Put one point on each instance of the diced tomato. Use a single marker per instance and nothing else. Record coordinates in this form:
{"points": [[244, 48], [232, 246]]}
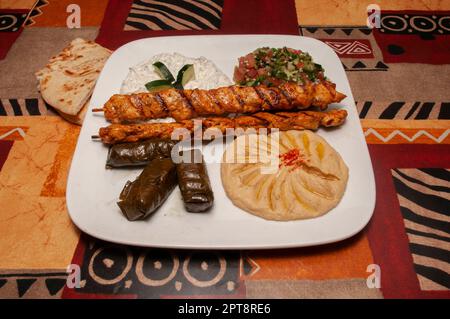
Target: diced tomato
{"points": [[272, 81], [262, 71], [263, 64], [252, 73], [251, 62], [242, 62], [238, 75], [294, 51]]}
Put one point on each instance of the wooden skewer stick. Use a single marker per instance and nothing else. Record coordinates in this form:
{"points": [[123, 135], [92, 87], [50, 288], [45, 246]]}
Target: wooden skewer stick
{"points": [[97, 110]]}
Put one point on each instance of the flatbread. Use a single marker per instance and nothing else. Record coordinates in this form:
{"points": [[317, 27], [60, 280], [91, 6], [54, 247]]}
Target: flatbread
{"points": [[78, 118], [291, 175], [67, 81]]}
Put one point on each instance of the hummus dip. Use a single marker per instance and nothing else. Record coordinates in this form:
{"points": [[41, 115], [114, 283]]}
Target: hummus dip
{"points": [[309, 180]]}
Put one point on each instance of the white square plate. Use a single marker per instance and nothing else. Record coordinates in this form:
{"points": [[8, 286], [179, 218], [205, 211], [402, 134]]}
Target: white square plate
{"points": [[92, 191]]}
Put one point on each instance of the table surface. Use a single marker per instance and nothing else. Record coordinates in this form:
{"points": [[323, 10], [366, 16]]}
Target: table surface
{"points": [[399, 74]]}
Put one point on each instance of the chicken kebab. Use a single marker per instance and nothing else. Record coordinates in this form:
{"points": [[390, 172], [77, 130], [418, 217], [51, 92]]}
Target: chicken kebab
{"points": [[188, 104], [121, 133]]}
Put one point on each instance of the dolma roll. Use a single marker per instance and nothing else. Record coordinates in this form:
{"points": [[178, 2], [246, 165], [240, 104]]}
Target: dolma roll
{"points": [[138, 153], [194, 183], [143, 196]]}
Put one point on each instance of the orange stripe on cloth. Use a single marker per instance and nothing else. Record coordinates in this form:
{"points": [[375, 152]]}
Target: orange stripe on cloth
{"points": [[354, 13], [55, 184], [343, 260], [406, 131], [12, 133]]}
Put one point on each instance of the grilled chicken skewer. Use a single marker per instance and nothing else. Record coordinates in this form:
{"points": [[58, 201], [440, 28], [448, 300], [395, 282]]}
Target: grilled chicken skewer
{"points": [[188, 104], [119, 133]]}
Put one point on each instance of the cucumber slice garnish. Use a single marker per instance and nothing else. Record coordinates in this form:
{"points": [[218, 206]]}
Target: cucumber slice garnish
{"points": [[185, 74], [158, 85], [163, 71]]}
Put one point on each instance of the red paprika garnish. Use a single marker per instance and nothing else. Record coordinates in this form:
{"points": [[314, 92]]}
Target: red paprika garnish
{"points": [[292, 158]]}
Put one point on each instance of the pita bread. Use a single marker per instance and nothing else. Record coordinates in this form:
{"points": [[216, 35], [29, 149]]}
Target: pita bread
{"points": [[67, 81], [75, 119]]}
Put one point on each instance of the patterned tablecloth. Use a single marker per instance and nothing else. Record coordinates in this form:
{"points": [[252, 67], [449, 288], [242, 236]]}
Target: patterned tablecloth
{"points": [[400, 77]]}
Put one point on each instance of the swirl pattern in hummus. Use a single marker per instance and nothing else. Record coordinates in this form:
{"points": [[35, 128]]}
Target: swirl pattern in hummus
{"points": [[309, 178]]}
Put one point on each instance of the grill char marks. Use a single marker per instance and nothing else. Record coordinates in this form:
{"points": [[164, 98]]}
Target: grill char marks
{"points": [[153, 106], [138, 109], [192, 99], [274, 98], [235, 93], [162, 104], [178, 106], [209, 123], [117, 133], [188, 104], [202, 102], [252, 103], [138, 103], [299, 96], [251, 122], [266, 106], [275, 121], [226, 99], [286, 95], [213, 100]]}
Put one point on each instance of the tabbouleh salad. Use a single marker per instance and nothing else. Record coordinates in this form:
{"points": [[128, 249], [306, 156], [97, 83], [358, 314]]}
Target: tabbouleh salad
{"points": [[272, 66]]}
